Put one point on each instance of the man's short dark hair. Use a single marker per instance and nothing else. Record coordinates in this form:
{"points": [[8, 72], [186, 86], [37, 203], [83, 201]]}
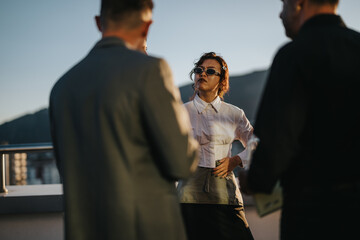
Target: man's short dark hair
{"points": [[325, 1], [118, 10]]}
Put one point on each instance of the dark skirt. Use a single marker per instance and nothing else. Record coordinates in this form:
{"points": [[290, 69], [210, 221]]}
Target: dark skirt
{"points": [[214, 221]]}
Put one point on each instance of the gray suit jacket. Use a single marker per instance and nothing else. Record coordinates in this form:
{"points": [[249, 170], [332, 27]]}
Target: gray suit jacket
{"points": [[121, 138]]}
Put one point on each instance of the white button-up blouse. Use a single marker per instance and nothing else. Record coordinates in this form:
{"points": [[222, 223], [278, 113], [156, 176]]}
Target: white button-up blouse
{"points": [[215, 126]]}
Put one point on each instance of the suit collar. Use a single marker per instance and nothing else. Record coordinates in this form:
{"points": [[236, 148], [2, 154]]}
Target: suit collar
{"points": [[109, 42]]}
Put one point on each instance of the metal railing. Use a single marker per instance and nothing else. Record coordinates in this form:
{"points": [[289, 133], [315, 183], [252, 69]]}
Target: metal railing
{"points": [[16, 148]]}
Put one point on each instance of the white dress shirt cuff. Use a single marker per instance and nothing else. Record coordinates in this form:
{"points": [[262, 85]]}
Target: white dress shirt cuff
{"points": [[243, 157]]}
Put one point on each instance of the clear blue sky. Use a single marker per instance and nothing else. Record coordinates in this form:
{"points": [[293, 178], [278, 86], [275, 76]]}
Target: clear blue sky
{"points": [[41, 39]]}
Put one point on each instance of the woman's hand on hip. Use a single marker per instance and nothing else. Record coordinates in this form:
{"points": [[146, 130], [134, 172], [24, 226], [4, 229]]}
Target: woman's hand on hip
{"points": [[227, 165]]}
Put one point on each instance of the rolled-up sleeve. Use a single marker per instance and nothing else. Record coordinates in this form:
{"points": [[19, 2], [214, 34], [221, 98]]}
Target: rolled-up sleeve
{"points": [[244, 132]]}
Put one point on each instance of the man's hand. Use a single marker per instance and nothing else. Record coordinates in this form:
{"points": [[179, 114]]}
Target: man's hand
{"points": [[226, 166]]}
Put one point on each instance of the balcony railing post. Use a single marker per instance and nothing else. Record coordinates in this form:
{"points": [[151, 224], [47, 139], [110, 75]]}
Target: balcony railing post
{"points": [[15, 148], [2, 175]]}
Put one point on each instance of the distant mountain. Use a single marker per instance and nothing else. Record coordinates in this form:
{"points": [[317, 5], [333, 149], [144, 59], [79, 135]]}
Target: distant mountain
{"points": [[245, 92], [30, 128]]}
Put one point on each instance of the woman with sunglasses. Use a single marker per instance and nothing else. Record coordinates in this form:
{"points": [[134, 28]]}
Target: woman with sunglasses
{"points": [[211, 202]]}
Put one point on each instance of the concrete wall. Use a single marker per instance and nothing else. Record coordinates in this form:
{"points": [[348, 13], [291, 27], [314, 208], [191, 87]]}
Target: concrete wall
{"points": [[35, 213], [47, 226]]}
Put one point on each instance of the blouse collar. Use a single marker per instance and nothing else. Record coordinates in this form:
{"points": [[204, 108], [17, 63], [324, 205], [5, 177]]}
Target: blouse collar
{"points": [[201, 105]]}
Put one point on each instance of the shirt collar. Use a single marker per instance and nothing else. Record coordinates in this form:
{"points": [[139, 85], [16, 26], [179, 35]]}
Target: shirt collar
{"points": [[201, 105]]}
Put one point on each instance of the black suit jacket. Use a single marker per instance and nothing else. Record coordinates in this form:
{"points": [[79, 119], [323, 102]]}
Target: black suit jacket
{"points": [[122, 137], [308, 126], [308, 117]]}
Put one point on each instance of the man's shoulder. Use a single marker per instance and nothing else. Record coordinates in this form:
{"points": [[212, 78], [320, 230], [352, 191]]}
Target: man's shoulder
{"points": [[354, 33], [149, 61], [141, 58], [286, 49]]}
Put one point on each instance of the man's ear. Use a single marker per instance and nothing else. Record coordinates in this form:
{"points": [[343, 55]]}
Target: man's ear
{"points": [[145, 28], [98, 23], [300, 4]]}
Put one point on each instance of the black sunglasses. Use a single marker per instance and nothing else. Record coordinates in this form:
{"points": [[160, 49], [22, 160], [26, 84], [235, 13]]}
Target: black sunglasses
{"points": [[208, 71]]}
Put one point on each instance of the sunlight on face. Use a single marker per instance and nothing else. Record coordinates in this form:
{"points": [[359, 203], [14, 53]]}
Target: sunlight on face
{"points": [[208, 83], [290, 17]]}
